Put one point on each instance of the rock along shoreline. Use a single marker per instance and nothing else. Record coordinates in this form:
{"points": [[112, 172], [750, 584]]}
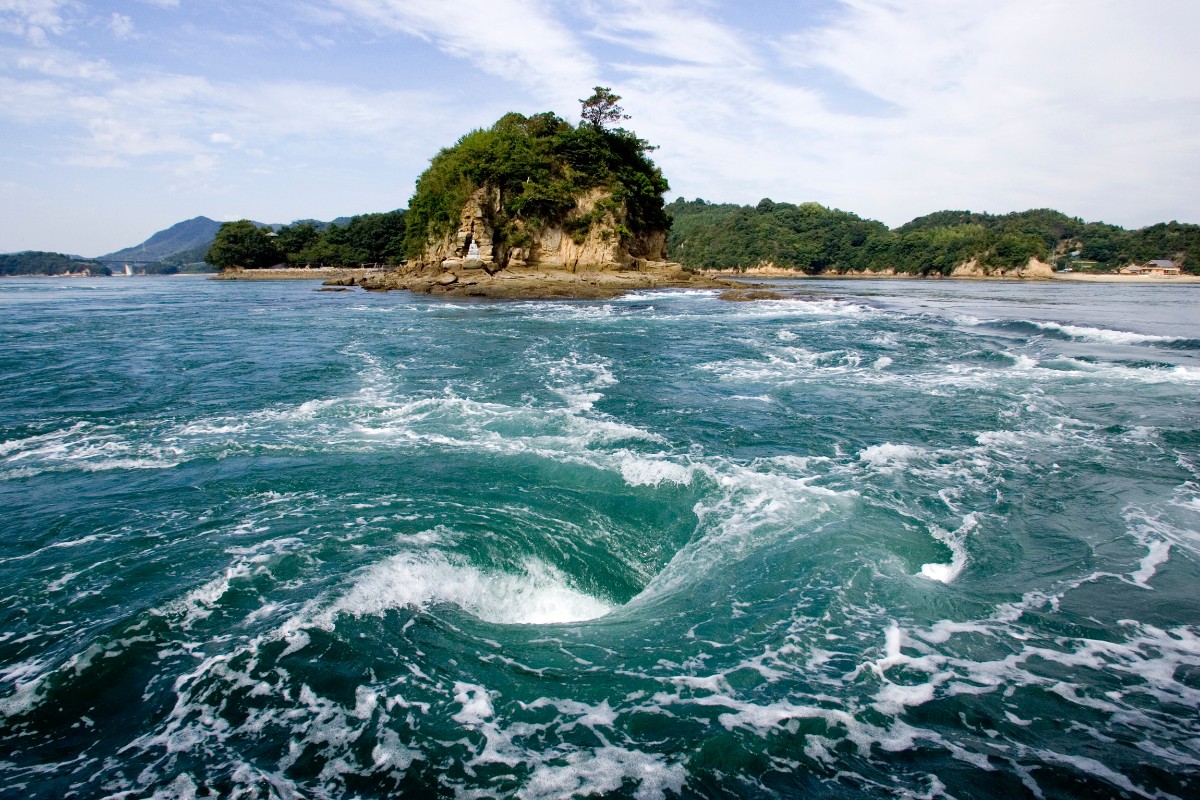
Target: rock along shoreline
{"points": [[532, 283]]}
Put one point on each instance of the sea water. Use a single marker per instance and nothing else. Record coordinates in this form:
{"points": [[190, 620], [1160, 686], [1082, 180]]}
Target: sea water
{"points": [[881, 539]]}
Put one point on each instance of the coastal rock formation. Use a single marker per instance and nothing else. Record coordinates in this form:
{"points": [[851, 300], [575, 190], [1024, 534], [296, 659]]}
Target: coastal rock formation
{"points": [[534, 283], [592, 236], [537, 200], [1032, 269]]}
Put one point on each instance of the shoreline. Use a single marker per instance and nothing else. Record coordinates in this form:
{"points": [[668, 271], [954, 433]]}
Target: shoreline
{"points": [[559, 284], [1077, 277], [596, 283], [1173, 280], [297, 274]]}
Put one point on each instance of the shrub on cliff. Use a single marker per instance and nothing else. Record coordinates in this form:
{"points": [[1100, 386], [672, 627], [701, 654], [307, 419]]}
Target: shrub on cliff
{"points": [[539, 165]]}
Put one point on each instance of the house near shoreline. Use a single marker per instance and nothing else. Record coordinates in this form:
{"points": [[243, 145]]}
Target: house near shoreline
{"points": [[1159, 266]]}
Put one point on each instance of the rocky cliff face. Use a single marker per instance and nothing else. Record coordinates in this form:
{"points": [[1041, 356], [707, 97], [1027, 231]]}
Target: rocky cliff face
{"points": [[1031, 269], [592, 237]]}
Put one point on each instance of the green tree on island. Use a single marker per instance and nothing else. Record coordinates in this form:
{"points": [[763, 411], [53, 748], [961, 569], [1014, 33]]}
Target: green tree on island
{"points": [[601, 108], [243, 244]]}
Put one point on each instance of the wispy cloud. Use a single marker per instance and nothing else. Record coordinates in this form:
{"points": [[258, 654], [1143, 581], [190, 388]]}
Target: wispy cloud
{"points": [[32, 19], [520, 40], [61, 64], [898, 108], [890, 108], [186, 116], [121, 26]]}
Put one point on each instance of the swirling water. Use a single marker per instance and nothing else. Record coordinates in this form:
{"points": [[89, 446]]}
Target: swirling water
{"points": [[889, 539]]}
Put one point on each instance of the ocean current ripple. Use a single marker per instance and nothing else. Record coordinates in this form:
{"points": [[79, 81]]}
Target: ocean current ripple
{"points": [[878, 539]]}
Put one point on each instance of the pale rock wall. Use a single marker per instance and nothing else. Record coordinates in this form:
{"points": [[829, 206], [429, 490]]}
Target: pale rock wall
{"points": [[550, 247], [1031, 269]]}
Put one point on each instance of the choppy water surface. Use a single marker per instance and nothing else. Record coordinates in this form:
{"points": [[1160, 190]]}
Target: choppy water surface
{"points": [[897, 539]]}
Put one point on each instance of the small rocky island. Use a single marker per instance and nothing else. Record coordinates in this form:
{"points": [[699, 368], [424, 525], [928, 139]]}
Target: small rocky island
{"points": [[535, 207]]}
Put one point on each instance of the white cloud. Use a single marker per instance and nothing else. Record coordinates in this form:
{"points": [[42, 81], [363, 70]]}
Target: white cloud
{"points": [[121, 26], [518, 40], [894, 109], [171, 117], [32, 19], [669, 30], [890, 109], [65, 65]]}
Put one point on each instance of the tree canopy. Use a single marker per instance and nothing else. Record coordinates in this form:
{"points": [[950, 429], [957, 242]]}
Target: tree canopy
{"points": [[601, 109], [539, 165], [243, 244], [361, 240]]}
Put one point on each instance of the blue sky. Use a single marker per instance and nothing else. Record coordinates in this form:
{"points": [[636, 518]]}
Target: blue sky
{"points": [[119, 119]]}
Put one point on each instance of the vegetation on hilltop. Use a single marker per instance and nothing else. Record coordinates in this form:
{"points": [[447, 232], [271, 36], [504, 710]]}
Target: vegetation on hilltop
{"points": [[539, 165], [37, 262], [815, 239]]}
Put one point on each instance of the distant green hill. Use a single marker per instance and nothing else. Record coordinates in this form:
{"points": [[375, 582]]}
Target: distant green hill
{"points": [[187, 235], [36, 262], [815, 239]]}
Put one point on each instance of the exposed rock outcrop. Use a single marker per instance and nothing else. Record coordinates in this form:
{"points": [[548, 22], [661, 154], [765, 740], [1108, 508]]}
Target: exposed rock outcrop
{"points": [[592, 237], [1033, 269], [530, 283]]}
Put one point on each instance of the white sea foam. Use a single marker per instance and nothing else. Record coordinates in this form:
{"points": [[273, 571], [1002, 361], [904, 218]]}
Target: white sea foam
{"points": [[783, 365], [1103, 335], [541, 595], [642, 295], [32, 442], [1150, 374], [25, 679], [945, 573], [1158, 535], [602, 772], [1022, 361], [476, 704], [641, 471], [1159, 553], [888, 457], [86, 447]]}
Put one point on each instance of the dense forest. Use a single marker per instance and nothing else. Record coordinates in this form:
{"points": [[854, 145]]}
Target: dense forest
{"points": [[362, 240], [815, 239], [35, 262]]}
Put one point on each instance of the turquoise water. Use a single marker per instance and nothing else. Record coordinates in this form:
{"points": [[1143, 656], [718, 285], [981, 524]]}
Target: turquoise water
{"points": [[892, 540]]}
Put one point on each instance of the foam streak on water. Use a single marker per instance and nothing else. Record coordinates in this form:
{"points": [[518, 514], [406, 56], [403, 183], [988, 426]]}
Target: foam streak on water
{"points": [[882, 539]]}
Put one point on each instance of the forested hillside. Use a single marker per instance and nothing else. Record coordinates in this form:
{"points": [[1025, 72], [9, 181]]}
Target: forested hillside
{"points": [[36, 262], [187, 236], [815, 239]]}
